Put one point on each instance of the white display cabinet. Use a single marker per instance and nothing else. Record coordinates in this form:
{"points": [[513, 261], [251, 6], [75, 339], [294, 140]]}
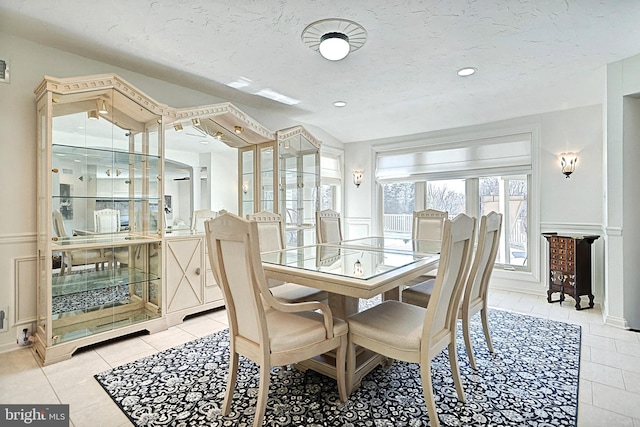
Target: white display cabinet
{"points": [[99, 193]]}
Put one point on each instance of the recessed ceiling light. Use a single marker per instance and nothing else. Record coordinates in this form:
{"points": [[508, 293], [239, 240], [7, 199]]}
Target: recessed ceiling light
{"points": [[467, 71], [204, 142], [339, 103]]}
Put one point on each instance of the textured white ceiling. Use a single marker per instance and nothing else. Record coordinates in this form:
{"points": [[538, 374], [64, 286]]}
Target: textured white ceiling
{"points": [[532, 55]]}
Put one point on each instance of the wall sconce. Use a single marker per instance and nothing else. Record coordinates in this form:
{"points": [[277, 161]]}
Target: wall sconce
{"points": [[358, 271], [568, 163], [245, 187], [357, 177]]}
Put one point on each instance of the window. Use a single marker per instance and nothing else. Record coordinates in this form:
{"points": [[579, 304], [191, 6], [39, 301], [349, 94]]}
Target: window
{"points": [[397, 209], [508, 196], [329, 196], [466, 175], [330, 180], [446, 195]]}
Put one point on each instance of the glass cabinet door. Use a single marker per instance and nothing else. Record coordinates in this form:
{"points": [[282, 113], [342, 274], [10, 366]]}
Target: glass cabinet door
{"points": [[267, 176], [247, 181], [299, 174]]}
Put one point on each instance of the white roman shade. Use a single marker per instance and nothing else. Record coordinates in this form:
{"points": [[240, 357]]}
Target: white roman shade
{"points": [[505, 154], [330, 170]]}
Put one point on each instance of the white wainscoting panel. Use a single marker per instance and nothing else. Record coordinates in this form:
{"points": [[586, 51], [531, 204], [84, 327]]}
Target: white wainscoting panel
{"points": [[25, 290], [356, 227]]}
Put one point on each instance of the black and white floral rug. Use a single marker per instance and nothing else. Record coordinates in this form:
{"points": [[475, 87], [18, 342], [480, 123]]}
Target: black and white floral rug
{"points": [[531, 380]]}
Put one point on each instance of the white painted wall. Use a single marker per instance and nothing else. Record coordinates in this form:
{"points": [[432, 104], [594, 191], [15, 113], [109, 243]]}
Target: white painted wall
{"points": [[623, 198]]}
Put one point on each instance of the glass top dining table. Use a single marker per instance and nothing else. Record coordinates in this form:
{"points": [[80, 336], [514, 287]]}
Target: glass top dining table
{"points": [[359, 268], [349, 270]]}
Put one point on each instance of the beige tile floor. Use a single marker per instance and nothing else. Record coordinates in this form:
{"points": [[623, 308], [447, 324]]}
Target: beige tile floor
{"points": [[609, 372]]}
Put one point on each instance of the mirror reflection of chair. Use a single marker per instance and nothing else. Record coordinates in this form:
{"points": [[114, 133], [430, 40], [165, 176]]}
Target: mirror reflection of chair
{"points": [[261, 328], [199, 217], [328, 228], [77, 257], [414, 334], [477, 285], [271, 238], [106, 221]]}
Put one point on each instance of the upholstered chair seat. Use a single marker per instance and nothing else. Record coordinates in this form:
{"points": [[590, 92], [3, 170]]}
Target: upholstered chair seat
{"points": [[271, 235]]}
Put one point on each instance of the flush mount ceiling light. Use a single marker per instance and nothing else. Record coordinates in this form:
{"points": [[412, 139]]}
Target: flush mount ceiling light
{"points": [[238, 129], [467, 71], [334, 38]]}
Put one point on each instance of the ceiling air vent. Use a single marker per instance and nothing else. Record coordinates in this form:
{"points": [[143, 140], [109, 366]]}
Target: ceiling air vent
{"points": [[4, 70]]}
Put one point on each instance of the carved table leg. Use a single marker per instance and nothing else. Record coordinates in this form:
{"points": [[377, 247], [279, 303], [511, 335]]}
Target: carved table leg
{"points": [[577, 302], [590, 300], [549, 296]]}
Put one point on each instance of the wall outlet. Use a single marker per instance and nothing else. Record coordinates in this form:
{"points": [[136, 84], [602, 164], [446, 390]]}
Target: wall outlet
{"points": [[24, 335], [4, 319]]}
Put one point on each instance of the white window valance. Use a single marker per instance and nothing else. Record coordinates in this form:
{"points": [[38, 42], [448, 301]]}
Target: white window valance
{"points": [[330, 169], [504, 154]]}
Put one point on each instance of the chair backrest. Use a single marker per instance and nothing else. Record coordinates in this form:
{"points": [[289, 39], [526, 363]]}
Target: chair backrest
{"points": [[234, 255], [428, 224], [58, 224], [270, 230], [199, 217], [328, 228], [485, 257], [106, 221], [442, 310]]}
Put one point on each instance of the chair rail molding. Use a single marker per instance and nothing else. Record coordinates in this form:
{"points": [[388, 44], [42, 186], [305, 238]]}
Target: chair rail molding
{"points": [[18, 238], [571, 227], [613, 231]]}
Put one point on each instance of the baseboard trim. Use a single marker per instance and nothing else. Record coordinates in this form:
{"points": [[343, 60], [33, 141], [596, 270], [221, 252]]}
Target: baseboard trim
{"points": [[616, 322]]}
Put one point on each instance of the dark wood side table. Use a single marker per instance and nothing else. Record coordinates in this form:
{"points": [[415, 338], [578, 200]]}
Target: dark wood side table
{"points": [[570, 266]]}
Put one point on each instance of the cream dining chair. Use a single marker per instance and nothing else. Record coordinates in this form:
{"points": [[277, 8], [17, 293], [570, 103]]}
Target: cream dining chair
{"points": [[77, 257], [199, 217], [261, 328], [271, 237], [428, 225], [477, 284], [328, 228], [414, 334]]}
